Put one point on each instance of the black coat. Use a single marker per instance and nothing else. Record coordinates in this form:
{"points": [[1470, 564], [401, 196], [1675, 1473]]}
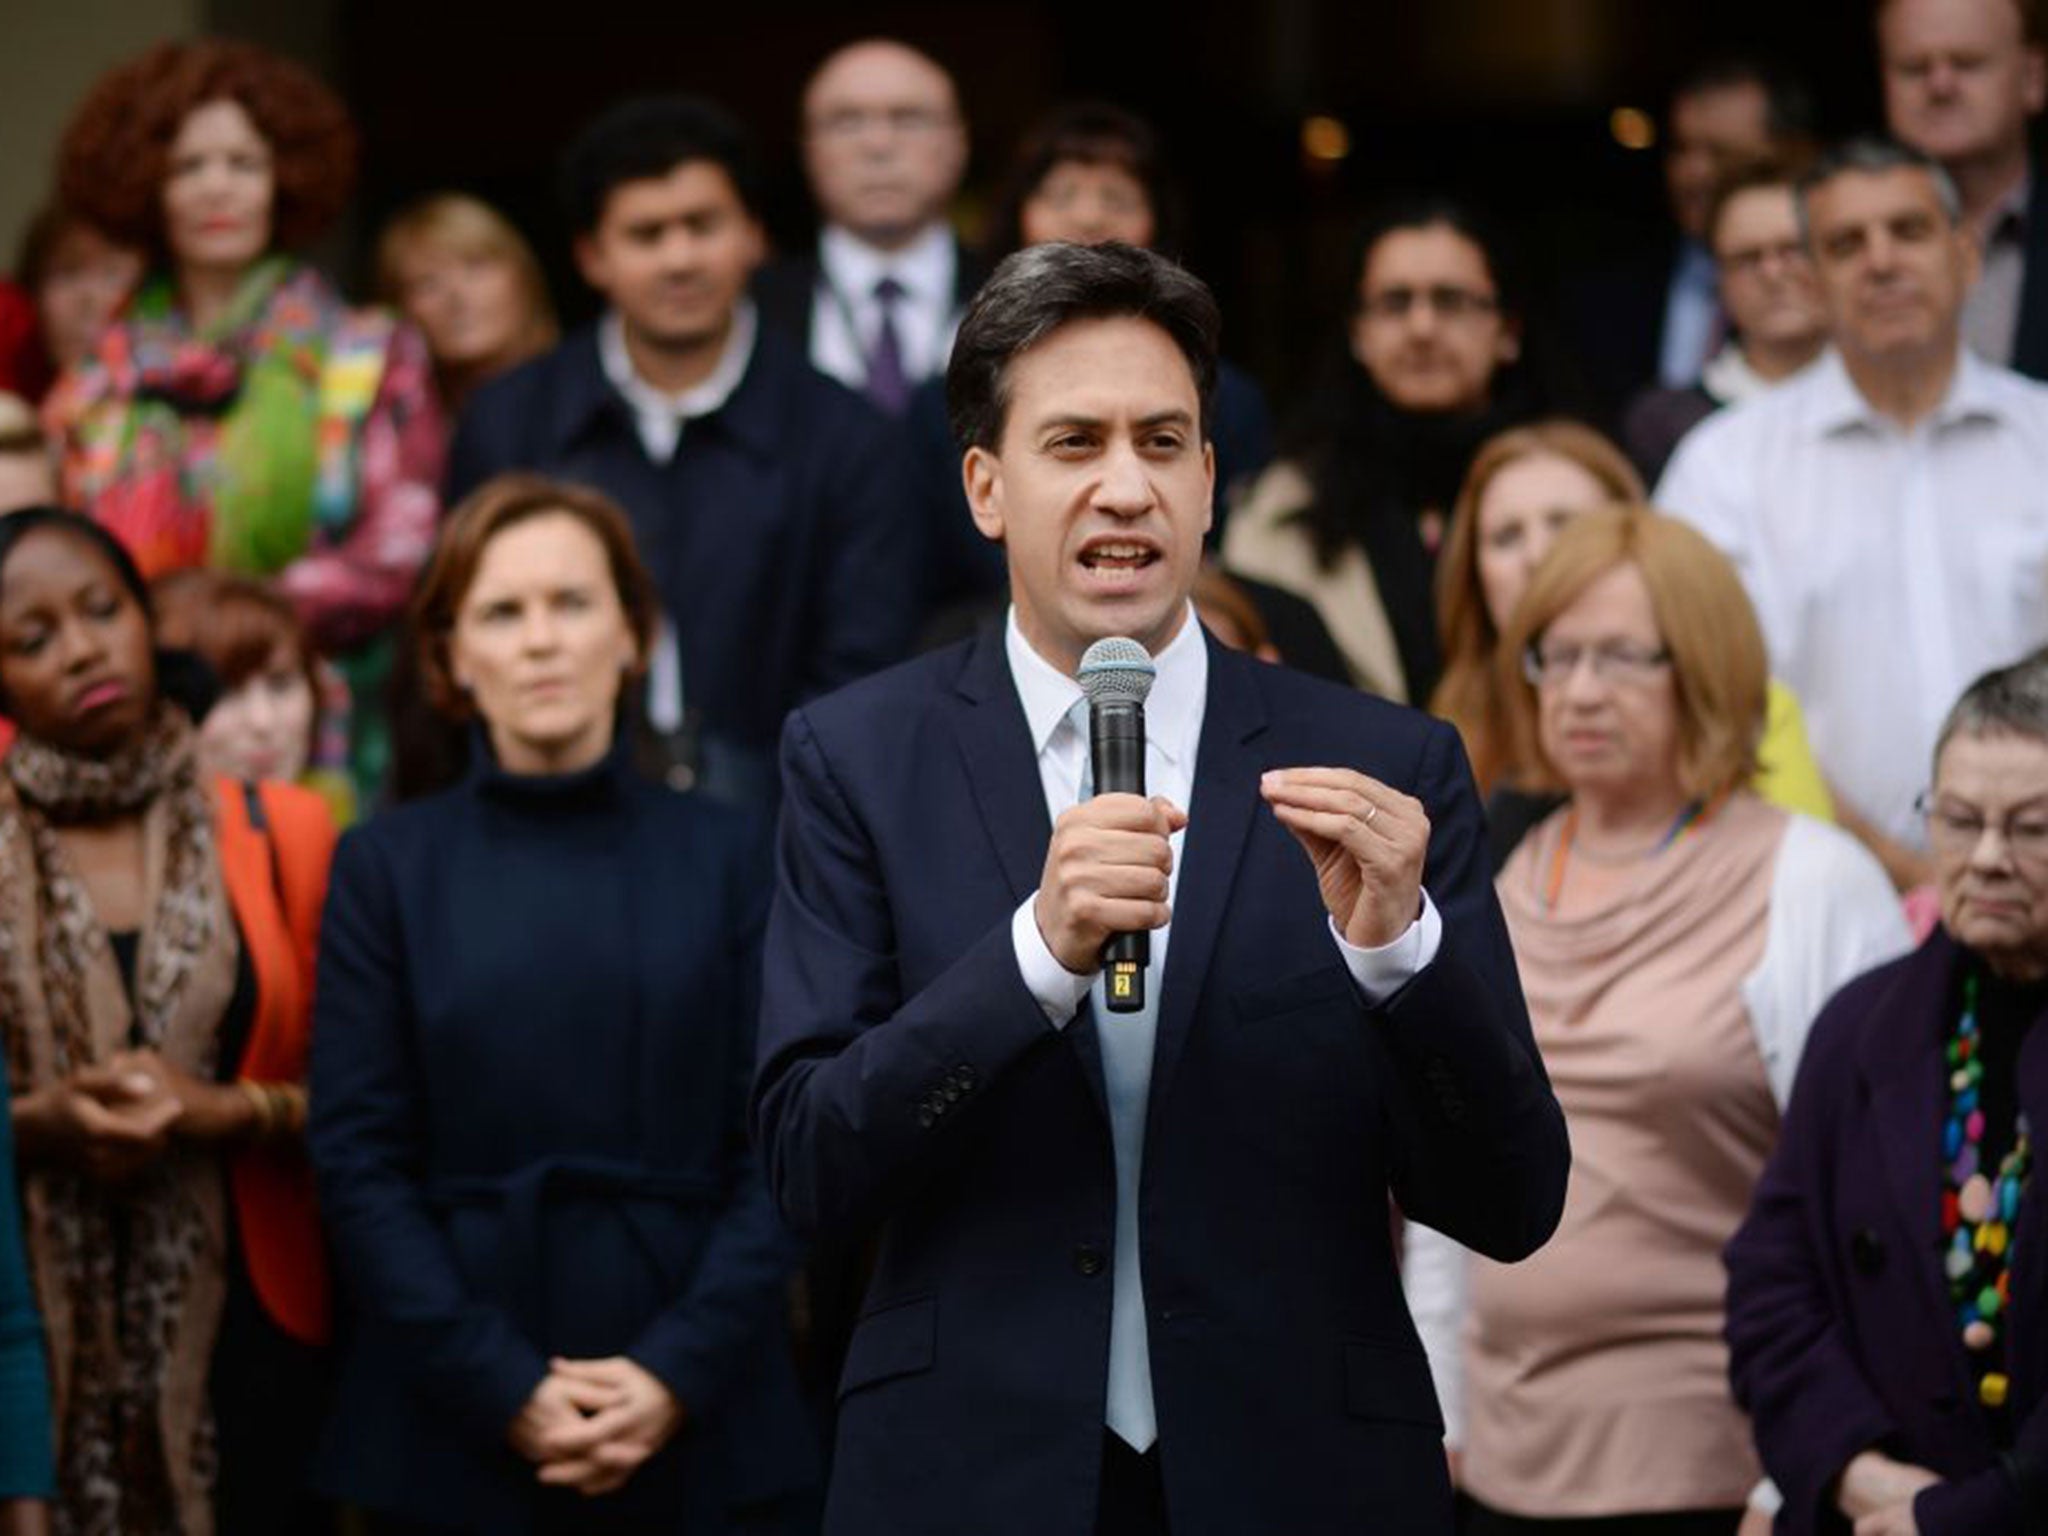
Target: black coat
{"points": [[532, 1037]]}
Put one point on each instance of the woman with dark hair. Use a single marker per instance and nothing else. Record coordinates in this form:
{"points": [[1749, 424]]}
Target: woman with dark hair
{"points": [[238, 415], [1353, 516], [530, 1075], [282, 713], [156, 945], [1085, 173]]}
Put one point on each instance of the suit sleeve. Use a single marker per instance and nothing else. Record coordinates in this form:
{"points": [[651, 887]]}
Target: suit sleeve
{"points": [[1479, 1146], [698, 1345], [364, 1136], [1795, 1371], [859, 1089]]}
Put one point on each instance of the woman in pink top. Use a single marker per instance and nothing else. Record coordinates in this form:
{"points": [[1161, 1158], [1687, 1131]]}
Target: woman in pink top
{"points": [[1675, 935]]}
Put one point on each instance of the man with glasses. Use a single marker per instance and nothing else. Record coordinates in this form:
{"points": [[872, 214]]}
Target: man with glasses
{"points": [[1888, 507], [1767, 287], [884, 146]]}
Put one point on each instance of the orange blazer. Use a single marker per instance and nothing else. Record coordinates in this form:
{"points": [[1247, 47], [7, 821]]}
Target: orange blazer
{"points": [[276, 843]]}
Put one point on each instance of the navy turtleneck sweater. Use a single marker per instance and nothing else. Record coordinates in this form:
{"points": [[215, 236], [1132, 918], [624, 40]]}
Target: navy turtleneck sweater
{"points": [[532, 1044]]}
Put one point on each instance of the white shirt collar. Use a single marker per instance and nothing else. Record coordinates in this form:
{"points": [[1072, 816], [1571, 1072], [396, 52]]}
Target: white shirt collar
{"points": [[704, 398], [1972, 395], [925, 267], [1173, 710], [1729, 377]]}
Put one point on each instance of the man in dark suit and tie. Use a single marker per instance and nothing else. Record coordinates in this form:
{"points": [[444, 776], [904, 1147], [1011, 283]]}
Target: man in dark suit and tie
{"points": [[876, 303], [1134, 1270]]}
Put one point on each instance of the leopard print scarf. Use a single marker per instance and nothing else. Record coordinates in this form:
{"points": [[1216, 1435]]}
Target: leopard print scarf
{"points": [[129, 1277]]}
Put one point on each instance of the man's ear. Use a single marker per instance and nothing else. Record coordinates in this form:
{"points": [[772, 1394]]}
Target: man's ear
{"points": [[590, 262], [981, 473]]}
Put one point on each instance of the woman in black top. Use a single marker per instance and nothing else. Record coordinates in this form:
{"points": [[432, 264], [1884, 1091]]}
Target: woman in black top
{"points": [[534, 1030]]}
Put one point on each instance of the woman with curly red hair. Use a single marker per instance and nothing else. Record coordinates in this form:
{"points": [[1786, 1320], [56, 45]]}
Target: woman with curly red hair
{"points": [[239, 415]]}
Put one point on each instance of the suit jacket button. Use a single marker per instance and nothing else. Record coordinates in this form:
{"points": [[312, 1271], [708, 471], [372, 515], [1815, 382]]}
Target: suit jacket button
{"points": [[1088, 1261], [1866, 1251], [926, 1118]]}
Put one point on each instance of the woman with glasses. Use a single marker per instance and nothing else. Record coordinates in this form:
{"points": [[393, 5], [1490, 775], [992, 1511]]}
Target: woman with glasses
{"points": [[1675, 935], [1885, 1294], [1353, 515]]}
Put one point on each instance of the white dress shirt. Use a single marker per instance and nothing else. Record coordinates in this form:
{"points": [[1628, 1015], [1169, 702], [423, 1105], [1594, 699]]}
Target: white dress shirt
{"points": [[1889, 568], [846, 316], [1173, 731]]}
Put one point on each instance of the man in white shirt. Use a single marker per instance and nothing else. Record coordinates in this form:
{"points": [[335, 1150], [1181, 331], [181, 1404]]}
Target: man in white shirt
{"points": [[884, 146], [1962, 80], [1111, 1242], [1888, 506]]}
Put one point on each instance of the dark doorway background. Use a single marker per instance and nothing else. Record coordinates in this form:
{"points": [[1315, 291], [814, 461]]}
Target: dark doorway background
{"points": [[1506, 100]]}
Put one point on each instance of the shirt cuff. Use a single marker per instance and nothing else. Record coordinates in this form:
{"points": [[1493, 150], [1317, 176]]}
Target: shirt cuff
{"points": [[1382, 972], [1058, 990]]}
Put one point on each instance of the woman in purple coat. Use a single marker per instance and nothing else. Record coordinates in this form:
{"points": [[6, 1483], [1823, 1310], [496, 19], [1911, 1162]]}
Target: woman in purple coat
{"points": [[1887, 1322]]}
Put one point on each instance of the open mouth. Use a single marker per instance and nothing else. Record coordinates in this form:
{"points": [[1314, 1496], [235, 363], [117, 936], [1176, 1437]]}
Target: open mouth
{"points": [[1117, 556]]}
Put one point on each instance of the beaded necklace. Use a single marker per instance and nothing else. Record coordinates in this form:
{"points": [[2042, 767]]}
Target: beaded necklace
{"points": [[1978, 1209], [1688, 819]]}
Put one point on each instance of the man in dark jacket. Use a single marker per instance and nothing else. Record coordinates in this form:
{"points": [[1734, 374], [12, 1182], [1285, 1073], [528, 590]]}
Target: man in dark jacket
{"points": [[764, 496]]}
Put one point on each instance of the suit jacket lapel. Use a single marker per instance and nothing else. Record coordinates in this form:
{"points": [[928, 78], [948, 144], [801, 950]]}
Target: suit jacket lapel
{"points": [[1226, 795], [1002, 769]]}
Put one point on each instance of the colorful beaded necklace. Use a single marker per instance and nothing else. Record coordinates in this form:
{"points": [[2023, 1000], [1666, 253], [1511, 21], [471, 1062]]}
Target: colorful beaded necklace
{"points": [[1978, 1209]]}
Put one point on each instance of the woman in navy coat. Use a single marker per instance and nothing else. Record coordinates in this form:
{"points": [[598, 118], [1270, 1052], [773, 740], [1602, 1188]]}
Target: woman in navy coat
{"points": [[1887, 1318], [532, 1041]]}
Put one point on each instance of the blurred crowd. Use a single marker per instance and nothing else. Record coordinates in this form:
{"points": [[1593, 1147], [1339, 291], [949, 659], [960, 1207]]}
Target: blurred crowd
{"points": [[410, 1183]]}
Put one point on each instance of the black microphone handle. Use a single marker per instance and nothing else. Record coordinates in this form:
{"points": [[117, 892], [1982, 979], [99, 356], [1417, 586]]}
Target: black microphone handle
{"points": [[1116, 750]]}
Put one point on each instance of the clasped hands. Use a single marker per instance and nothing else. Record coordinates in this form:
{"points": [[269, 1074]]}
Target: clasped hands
{"points": [[115, 1118], [1877, 1491], [1108, 867], [591, 1423]]}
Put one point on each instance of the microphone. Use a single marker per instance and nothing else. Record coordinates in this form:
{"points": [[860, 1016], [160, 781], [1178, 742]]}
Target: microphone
{"points": [[1116, 674]]}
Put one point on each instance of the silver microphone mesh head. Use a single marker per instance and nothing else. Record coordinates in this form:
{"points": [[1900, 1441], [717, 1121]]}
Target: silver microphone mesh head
{"points": [[1116, 671]]}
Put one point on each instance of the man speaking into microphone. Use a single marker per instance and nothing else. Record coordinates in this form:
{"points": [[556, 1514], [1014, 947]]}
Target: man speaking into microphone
{"points": [[1134, 1272]]}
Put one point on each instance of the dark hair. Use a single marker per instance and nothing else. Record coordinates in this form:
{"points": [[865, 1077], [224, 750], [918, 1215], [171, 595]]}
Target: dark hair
{"points": [[1874, 154], [1426, 210], [112, 162], [1761, 173], [181, 677], [1089, 133], [643, 140], [1788, 104], [479, 518], [1035, 291]]}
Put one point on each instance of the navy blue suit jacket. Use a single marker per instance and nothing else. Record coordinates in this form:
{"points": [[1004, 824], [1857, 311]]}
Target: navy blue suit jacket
{"points": [[780, 536], [909, 1084]]}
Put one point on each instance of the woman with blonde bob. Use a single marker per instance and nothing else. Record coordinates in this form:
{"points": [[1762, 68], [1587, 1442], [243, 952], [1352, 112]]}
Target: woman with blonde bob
{"points": [[1675, 936], [456, 268], [1524, 485]]}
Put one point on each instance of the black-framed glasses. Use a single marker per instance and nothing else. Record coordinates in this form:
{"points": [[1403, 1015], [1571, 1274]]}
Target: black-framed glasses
{"points": [[1616, 662], [1447, 300]]}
